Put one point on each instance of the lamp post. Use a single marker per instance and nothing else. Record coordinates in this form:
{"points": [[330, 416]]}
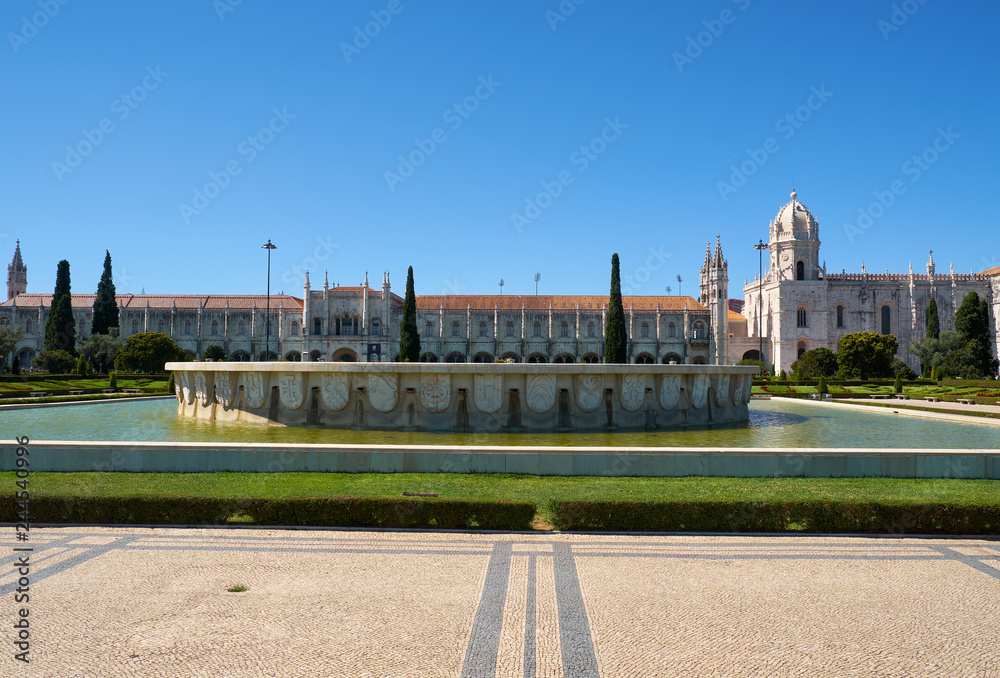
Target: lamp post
{"points": [[538, 276], [679, 293], [668, 290], [267, 314], [501, 287], [760, 247]]}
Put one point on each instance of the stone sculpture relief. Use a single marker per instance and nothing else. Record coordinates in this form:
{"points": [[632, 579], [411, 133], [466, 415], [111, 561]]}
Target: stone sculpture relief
{"points": [[290, 390], [382, 391], [670, 392], [588, 394], [435, 392], [335, 391], [541, 392], [186, 388], [699, 391], [223, 389], [722, 390], [255, 389], [633, 391], [488, 392]]}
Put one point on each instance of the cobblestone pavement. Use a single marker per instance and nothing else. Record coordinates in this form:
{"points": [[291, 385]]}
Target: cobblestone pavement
{"points": [[115, 602]]}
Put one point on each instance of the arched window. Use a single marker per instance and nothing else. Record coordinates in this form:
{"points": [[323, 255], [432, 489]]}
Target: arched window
{"points": [[564, 330], [428, 358], [672, 330], [482, 329], [590, 329], [482, 358], [800, 271], [295, 329], [800, 318], [376, 327], [241, 328], [886, 319], [644, 331], [317, 326], [428, 329], [510, 329], [27, 327], [454, 329], [563, 358], [215, 328], [840, 316], [537, 329], [187, 328], [699, 360], [672, 358], [644, 359], [802, 348], [699, 331], [537, 358], [590, 358], [4, 321], [135, 326]]}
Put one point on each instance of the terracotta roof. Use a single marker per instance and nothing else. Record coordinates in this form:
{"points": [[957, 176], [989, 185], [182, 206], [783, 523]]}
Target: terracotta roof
{"points": [[542, 302], [183, 301], [737, 317], [991, 271]]}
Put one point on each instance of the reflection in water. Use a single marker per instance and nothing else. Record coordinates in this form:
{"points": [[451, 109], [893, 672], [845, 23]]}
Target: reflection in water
{"points": [[773, 423]]}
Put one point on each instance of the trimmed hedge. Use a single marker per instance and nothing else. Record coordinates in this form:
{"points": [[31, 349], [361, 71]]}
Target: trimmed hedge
{"points": [[318, 511], [810, 516]]}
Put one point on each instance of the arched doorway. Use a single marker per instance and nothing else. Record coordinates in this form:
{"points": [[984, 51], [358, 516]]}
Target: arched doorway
{"points": [[455, 357], [590, 358], [751, 355], [644, 359], [344, 355], [537, 358], [564, 358], [482, 358], [315, 356], [428, 358], [512, 357]]}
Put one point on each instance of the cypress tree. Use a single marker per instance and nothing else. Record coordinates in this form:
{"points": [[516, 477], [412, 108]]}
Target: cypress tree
{"points": [[933, 325], [60, 329], [615, 334], [105, 308], [409, 338]]}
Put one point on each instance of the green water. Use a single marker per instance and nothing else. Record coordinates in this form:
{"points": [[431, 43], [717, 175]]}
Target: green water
{"points": [[773, 423]]}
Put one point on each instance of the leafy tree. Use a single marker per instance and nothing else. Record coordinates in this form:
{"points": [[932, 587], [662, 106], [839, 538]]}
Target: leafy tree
{"points": [[214, 352], [902, 370], [759, 364], [60, 329], [933, 325], [816, 362], [409, 337], [105, 307], [972, 323], [147, 352], [81, 366], [862, 355], [101, 349], [9, 336], [15, 366], [615, 334], [55, 361]]}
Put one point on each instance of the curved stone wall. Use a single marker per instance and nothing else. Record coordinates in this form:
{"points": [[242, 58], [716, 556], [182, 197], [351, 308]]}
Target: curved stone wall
{"points": [[464, 397]]}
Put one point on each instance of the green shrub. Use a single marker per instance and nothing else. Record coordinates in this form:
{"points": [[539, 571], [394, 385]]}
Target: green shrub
{"points": [[55, 361], [170, 384], [897, 386], [821, 387], [214, 352], [783, 376], [113, 380], [15, 366]]}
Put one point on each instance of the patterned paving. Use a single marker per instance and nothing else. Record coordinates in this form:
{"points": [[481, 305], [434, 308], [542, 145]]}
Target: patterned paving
{"points": [[153, 602]]}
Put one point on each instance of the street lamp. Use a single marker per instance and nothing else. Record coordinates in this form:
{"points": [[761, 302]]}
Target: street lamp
{"points": [[668, 290], [267, 314], [679, 293], [538, 276], [501, 287], [760, 247]]}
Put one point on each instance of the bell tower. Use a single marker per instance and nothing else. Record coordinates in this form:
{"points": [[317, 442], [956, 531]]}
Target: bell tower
{"points": [[17, 275], [714, 288]]}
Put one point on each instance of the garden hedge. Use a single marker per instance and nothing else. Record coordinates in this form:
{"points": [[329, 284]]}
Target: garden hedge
{"points": [[808, 516]]}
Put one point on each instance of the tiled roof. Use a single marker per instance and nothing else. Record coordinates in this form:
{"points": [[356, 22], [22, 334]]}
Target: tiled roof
{"points": [[182, 301], [736, 317], [542, 302], [991, 271]]}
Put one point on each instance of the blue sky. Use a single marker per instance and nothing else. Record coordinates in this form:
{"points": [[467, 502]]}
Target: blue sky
{"points": [[479, 141]]}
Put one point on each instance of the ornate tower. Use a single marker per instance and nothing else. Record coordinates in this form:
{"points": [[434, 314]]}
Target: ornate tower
{"points": [[714, 286], [17, 275], [794, 243]]}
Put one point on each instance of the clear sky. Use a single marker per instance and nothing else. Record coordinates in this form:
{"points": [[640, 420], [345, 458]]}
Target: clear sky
{"points": [[484, 140]]}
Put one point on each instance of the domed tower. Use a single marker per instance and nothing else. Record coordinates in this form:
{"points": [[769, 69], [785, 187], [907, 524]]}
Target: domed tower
{"points": [[794, 243], [17, 275], [714, 288]]}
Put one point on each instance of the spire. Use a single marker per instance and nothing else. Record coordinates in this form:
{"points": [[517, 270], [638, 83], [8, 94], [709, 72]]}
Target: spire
{"points": [[930, 262], [708, 254], [17, 274], [366, 278], [306, 285], [17, 264], [718, 250], [326, 280]]}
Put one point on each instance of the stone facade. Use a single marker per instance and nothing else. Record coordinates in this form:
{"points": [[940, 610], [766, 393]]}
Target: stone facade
{"points": [[800, 306]]}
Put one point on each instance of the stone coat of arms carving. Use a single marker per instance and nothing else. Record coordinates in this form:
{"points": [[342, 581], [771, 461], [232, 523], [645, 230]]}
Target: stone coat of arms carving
{"points": [[633, 391], [290, 390], [185, 384], [382, 390], [541, 392], [670, 391], [435, 392], [722, 390], [201, 388], [335, 391], [588, 392], [255, 389], [699, 391], [488, 391], [223, 389]]}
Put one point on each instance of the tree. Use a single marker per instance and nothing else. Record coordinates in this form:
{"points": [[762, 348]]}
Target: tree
{"points": [[214, 352], [55, 361], [147, 352], [9, 336], [862, 355], [821, 386], [615, 334], [902, 371], [759, 364], [60, 329], [15, 366], [816, 362], [933, 325], [972, 323], [101, 349], [105, 307], [409, 338]]}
